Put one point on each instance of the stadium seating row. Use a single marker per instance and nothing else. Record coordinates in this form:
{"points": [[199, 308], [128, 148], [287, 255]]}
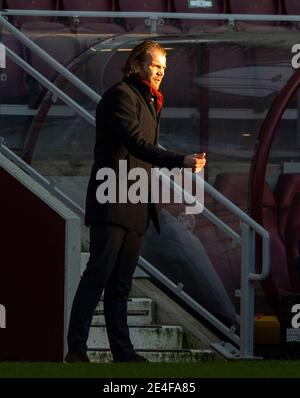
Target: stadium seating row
{"points": [[276, 7], [54, 37]]}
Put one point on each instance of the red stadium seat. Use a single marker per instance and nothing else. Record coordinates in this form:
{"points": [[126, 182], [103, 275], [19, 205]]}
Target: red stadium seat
{"points": [[91, 5], [39, 28], [99, 28], [14, 88], [287, 194], [138, 24], [31, 5], [287, 186], [98, 25], [63, 47], [256, 7], [292, 7], [292, 241], [88, 5], [193, 26]]}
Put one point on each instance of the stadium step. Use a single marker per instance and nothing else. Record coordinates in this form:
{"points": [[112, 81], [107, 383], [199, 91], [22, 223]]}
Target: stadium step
{"points": [[155, 337], [187, 356], [158, 343], [139, 312]]}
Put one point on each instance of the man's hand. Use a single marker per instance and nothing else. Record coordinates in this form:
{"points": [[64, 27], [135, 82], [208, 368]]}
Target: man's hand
{"points": [[196, 162]]}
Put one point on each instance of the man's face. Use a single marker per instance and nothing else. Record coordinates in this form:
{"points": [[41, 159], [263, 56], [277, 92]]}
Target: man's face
{"points": [[153, 70]]}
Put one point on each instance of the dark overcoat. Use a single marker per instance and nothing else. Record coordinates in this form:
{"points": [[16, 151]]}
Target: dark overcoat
{"points": [[127, 128]]}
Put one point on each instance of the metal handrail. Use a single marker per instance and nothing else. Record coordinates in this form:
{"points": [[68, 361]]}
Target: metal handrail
{"points": [[155, 15], [50, 60], [178, 290], [48, 185], [244, 217], [51, 87]]}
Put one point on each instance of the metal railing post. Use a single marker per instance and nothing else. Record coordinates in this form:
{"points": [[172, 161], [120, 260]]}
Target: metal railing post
{"points": [[153, 21], [247, 291]]}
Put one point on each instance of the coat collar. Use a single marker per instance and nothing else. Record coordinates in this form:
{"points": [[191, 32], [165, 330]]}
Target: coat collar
{"points": [[144, 91]]}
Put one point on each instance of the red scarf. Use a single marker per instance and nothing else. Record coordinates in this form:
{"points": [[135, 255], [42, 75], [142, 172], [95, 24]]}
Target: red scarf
{"points": [[157, 94]]}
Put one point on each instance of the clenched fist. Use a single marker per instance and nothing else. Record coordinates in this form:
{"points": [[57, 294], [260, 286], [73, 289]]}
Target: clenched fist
{"points": [[196, 162]]}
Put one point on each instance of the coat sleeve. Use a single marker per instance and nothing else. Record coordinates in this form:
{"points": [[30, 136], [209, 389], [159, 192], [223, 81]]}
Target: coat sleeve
{"points": [[125, 123]]}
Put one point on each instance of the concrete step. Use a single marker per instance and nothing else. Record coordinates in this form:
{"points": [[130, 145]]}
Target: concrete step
{"points": [[142, 337], [139, 312], [187, 356]]}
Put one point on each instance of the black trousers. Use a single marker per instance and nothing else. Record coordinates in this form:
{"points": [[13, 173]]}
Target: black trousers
{"points": [[114, 253]]}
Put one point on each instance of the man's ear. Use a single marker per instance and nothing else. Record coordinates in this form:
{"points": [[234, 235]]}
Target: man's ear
{"points": [[137, 67]]}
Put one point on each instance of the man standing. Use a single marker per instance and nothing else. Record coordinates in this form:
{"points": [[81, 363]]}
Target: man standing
{"points": [[127, 123]]}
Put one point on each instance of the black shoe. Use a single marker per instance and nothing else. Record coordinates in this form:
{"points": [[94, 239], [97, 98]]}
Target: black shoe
{"points": [[73, 357], [135, 358]]}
